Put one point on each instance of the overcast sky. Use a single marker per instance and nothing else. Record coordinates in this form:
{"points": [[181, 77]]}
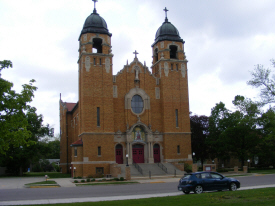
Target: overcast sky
{"points": [[224, 40]]}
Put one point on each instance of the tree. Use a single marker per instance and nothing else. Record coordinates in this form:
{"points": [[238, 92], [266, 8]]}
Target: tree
{"points": [[199, 133], [261, 78], [267, 127], [235, 134], [13, 121]]}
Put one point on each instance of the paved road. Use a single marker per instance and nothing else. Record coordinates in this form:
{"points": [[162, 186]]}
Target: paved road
{"points": [[159, 188]]}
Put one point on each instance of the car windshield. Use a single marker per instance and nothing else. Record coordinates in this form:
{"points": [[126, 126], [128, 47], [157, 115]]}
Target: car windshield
{"points": [[186, 176]]}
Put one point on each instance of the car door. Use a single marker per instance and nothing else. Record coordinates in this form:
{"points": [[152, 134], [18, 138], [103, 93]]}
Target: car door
{"points": [[207, 181], [220, 183]]}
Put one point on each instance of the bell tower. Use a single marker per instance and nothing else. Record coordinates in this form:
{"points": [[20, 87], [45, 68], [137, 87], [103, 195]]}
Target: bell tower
{"points": [[95, 76], [170, 67]]}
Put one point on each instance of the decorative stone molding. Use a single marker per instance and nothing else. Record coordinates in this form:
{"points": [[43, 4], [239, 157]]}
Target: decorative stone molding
{"points": [[107, 64], [83, 49], [166, 69], [87, 64], [160, 70], [157, 91], [183, 70], [142, 93], [85, 37], [115, 91]]}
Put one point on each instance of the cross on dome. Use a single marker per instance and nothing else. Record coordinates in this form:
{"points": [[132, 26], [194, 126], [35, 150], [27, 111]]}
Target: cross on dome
{"points": [[135, 53], [165, 13], [94, 5]]}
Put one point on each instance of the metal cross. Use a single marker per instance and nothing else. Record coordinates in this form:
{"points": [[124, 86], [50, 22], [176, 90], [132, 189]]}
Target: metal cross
{"points": [[165, 12], [94, 4], [135, 53]]}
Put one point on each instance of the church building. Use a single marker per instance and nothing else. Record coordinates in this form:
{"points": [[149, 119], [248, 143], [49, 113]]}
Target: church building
{"points": [[139, 115]]}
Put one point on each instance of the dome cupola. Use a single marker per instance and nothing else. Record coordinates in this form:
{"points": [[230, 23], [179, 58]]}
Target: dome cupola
{"points": [[167, 31], [95, 24]]}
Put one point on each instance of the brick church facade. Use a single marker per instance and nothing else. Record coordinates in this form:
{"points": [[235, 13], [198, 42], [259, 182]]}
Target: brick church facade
{"points": [[139, 112]]}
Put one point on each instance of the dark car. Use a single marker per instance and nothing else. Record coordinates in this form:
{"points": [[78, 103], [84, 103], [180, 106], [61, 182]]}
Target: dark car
{"points": [[206, 181]]}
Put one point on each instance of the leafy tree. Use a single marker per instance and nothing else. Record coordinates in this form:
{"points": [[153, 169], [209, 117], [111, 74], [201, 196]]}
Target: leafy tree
{"points": [[13, 122], [234, 133], [267, 127], [20, 127], [261, 78], [199, 133]]}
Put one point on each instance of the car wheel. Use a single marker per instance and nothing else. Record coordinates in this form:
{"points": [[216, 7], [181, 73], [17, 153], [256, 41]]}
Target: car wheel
{"points": [[186, 192], [233, 187], [198, 189]]}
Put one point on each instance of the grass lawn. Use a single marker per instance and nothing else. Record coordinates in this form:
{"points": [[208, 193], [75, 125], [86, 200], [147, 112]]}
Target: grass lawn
{"points": [[42, 183], [104, 183], [238, 198], [262, 171]]}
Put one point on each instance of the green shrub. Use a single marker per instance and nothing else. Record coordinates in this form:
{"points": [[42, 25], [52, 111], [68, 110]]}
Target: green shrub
{"points": [[82, 181], [187, 168], [79, 177], [88, 180], [116, 179], [92, 180], [121, 178], [76, 181], [222, 170]]}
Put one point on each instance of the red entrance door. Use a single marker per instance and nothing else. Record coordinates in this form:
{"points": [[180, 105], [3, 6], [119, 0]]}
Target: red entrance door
{"points": [[138, 155], [119, 156], [156, 155]]}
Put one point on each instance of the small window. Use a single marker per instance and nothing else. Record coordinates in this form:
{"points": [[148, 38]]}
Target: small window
{"points": [[173, 51], [98, 116], [99, 170], [75, 151], [156, 54], [177, 69], [178, 149], [177, 119], [99, 61], [97, 45], [99, 151]]}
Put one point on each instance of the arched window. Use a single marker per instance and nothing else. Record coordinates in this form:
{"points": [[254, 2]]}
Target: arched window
{"points": [[173, 51], [97, 45], [156, 54], [137, 104]]}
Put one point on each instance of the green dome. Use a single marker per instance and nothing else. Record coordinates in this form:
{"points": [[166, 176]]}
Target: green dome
{"points": [[167, 31], [95, 24]]}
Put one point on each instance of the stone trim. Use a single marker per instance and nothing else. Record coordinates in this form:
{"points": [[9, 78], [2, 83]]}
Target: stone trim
{"points": [[93, 162], [177, 133], [96, 133]]}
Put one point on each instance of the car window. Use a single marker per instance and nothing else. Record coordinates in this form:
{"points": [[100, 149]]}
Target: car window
{"points": [[198, 176], [216, 176], [205, 175], [186, 176]]}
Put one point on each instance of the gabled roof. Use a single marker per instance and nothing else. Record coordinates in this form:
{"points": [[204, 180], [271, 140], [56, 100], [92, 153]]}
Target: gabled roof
{"points": [[70, 106], [77, 143]]}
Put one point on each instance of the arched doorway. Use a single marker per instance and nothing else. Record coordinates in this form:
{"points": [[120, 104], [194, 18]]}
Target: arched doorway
{"points": [[119, 154], [156, 153], [138, 153]]}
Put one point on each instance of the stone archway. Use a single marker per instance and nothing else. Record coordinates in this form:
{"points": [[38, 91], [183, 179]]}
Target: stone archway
{"points": [[139, 134]]}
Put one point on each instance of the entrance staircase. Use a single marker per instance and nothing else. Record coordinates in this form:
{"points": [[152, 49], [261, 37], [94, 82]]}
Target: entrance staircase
{"points": [[167, 169]]}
